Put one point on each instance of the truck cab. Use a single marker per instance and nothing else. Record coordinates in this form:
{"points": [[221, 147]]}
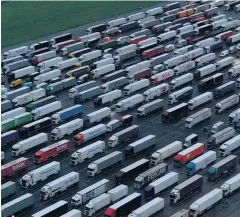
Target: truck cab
{"points": [[238, 83], [113, 125], [78, 139], [45, 193], [26, 180], [126, 120], [190, 140], [174, 196], [92, 170], [217, 127], [112, 141]]}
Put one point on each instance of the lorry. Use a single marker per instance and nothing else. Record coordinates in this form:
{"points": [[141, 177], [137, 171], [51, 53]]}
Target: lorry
{"points": [[129, 102], [138, 75], [14, 167], [181, 213], [200, 100], [184, 67], [45, 110], [104, 163], [11, 60], [205, 42], [107, 98], [175, 113], [8, 189], [205, 59], [59, 185], [167, 36], [210, 82], [222, 167], [91, 55], [218, 45], [136, 86], [224, 63], [88, 94], [180, 81], [10, 114], [138, 67], [15, 52], [198, 117], [87, 152], [20, 73], [159, 59], [152, 207], [183, 50], [42, 57], [234, 117], [226, 103], [201, 162], [234, 71], [123, 136], [188, 154], [18, 205], [174, 61], [66, 64], [220, 137], [71, 48], [233, 39], [72, 213], [232, 144], [52, 151], [224, 89], [96, 73], [160, 155], [217, 127], [49, 63], [79, 88], [145, 178], [78, 72], [230, 186], [206, 202], [24, 145], [67, 113], [128, 173], [47, 76], [125, 206], [80, 52], [114, 75], [118, 192], [38, 175], [190, 140], [89, 134], [120, 58], [140, 145], [150, 107], [97, 116], [180, 95], [185, 189], [193, 54], [14, 66], [114, 84], [6, 105], [162, 76], [102, 63], [223, 36], [161, 184], [205, 71], [115, 124]]}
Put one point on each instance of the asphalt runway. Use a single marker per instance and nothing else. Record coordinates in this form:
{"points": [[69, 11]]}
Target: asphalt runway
{"points": [[165, 133]]}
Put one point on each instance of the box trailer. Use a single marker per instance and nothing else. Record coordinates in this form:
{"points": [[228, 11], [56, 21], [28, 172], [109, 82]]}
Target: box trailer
{"points": [[129, 172], [233, 39], [8, 189], [115, 84], [12, 94], [205, 59], [78, 72], [11, 60], [10, 114], [198, 117], [42, 57], [40, 102], [222, 167], [71, 48], [162, 76], [113, 76], [6, 105], [118, 192], [154, 11], [24, 145], [13, 67], [155, 92], [226, 103], [47, 76], [181, 213], [188, 154], [82, 87], [228, 61], [180, 95], [186, 189], [150, 107], [107, 98], [175, 113], [87, 152], [136, 86], [230, 186], [49, 63], [160, 185], [223, 36], [224, 89], [115, 124], [229, 146], [88, 94], [40, 174], [140, 145], [205, 71], [200, 100], [150, 175], [206, 202], [184, 67], [167, 36], [210, 82], [72, 213], [96, 73], [201, 162], [52, 151], [59, 185], [180, 81], [15, 52], [169, 150], [234, 117], [129, 102]]}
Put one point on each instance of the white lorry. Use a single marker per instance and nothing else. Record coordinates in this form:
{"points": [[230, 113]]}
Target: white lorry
{"points": [[59, 185], [29, 97], [167, 36], [96, 73], [224, 63], [234, 117], [180, 81], [71, 48], [42, 173], [217, 127], [12, 113], [137, 67], [160, 155], [200, 100], [16, 52], [46, 109], [129, 102], [136, 16], [20, 73], [149, 209], [66, 129], [72, 213], [47, 76], [174, 61], [219, 23], [43, 56], [227, 103], [87, 152], [234, 71], [206, 202], [91, 55], [136, 86], [179, 95], [106, 98], [24, 145], [205, 71], [193, 54], [230, 186], [154, 11], [117, 22], [126, 49], [66, 63], [184, 67], [198, 117], [229, 146], [97, 116], [205, 59], [155, 92], [162, 76], [118, 192], [205, 42], [49, 63], [103, 62], [90, 192]]}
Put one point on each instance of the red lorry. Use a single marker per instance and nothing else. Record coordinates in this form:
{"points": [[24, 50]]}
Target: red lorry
{"points": [[136, 40], [148, 54], [14, 167], [53, 150], [183, 157], [223, 36]]}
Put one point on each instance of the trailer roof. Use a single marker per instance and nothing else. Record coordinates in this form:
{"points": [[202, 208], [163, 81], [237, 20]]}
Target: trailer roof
{"points": [[117, 189], [188, 182], [234, 139], [35, 137], [151, 170], [21, 159], [69, 108], [233, 179], [130, 98], [200, 112], [190, 149], [49, 208], [125, 200], [67, 176], [201, 95], [90, 146], [134, 165], [94, 128], [7, 184], [202, 157], [88, 90], [93, 186], [226, 84], [146, 138], [99, 111], [73, 212], [126, 130], [109, 156], [152, 103], [220, 133], [224, 161], [39, 169], [54, 145], [169, 146], [207, 196], [177, 107], [166, 177]]}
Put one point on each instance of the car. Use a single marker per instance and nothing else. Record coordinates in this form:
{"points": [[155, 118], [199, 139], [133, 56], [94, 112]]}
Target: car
{"points": [[224, 53]]}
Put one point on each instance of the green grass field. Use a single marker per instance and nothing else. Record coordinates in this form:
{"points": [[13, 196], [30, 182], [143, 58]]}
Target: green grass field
{"points": [[22, 21]]}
